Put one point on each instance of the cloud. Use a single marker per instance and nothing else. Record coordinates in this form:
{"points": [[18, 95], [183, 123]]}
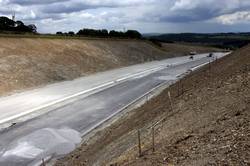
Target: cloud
{"points": [[79, 5], [33, 2], [146, 15], [238, 17], [197, 10]]}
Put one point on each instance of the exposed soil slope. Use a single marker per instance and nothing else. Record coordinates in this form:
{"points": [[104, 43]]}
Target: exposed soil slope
{"points": [[208, 126], [29, 62]]}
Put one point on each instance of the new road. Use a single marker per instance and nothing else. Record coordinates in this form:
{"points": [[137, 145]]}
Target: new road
{"points": [[49, 121]]}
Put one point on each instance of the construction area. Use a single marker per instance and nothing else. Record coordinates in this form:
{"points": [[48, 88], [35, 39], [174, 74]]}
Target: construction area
{"points": [[26, 63], [124, 83], [201, 117], [207, 124]]}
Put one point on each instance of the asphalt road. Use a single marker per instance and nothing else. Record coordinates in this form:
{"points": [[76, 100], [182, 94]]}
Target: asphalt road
{"points": [[83, 113], [33, 100]]}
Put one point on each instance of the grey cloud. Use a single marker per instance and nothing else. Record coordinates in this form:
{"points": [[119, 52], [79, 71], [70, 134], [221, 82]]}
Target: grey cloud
{"points": [[35, 2], [196, 10], [198, 14], [120, 13], [69, 7]]}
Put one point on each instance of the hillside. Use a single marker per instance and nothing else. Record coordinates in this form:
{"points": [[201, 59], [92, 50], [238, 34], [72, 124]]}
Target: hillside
{"points": [[31, 62], [186, 48], [221, 40], [209, 124]]}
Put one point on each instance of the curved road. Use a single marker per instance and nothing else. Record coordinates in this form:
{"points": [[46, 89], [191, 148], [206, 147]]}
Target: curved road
{"points": [[85, 111]]}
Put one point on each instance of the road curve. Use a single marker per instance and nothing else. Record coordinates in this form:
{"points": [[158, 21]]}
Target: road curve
{"points": [[85, 111]]}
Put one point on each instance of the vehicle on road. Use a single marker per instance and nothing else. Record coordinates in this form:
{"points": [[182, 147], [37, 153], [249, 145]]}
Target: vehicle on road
{"points": [[210, 55]]}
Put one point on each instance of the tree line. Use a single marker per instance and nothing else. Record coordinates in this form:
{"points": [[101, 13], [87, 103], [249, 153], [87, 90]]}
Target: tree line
{"points": [[7, 24], [104, 33], [10, 26], [226, 40]]}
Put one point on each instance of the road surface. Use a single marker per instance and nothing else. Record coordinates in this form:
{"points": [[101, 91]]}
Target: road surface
{"points": [[81, 112]]}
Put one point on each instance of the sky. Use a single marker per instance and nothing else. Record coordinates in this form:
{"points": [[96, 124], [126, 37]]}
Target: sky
{"points": [[146, 16]]}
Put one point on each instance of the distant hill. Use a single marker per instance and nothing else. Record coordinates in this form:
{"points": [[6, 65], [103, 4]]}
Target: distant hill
{"points": [[151, 34], [222, 40]]}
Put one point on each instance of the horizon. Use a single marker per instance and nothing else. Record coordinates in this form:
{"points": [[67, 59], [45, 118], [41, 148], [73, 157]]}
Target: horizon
{"points": [[146, 16]]}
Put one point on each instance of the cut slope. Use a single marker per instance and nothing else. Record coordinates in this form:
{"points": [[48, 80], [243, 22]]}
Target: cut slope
{"points": [[29, 62], [209, 124]]}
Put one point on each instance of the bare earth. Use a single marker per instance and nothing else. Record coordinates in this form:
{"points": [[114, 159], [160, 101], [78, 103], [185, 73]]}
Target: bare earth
{"points": [[31, 62], [209, 124]]}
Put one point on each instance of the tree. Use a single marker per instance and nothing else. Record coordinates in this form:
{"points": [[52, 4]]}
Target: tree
{"points": [[71, 33], [93, 32], [32, 28], [20, 27], [7, 24], [104, 32], [133, 34], [59, 33], [19, 24], [114, 33]]}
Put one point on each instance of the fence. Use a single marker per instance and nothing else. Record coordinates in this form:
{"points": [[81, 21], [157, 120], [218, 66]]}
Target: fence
{"points": [[146, 135], [144, 138]]}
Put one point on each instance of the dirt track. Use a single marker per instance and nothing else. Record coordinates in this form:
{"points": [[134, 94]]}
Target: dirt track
{"points": [[209, 124]]}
